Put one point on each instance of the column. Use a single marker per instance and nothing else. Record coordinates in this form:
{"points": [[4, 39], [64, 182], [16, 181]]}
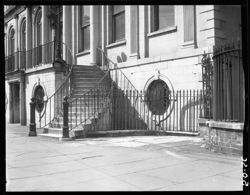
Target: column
{"points": [[45, 34], [16, 43], [94, 23], [6, 39], [28, 37], [74, 34], [67, 30], [132, 29], [103, 33], [128, 27], [143, 30]]}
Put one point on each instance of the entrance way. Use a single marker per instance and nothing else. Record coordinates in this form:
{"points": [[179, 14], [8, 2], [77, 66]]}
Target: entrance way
{"points": [[15, 103]]}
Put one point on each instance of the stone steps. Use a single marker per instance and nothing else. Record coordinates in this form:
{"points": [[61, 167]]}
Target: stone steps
{"points": [[84, 78]]}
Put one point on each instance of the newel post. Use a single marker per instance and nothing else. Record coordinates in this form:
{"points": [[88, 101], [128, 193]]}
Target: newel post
{"points": [[32, 126], [65, 117]]}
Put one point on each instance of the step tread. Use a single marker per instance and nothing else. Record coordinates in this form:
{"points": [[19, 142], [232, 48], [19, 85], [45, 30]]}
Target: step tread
{"points": [[51, 135]]}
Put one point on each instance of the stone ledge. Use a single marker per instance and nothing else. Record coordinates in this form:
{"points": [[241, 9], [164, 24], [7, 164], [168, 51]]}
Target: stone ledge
{"points": [[227, 125], [203, 121]]}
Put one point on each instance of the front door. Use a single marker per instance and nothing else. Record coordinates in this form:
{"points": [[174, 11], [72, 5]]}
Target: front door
{"points": [[15, 103]]}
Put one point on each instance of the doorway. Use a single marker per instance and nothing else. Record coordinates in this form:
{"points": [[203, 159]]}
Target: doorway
{"points": [[15, 102]]}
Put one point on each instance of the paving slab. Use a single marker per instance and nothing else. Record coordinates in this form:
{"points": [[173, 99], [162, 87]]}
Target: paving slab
{"points": [[132, 163], [145, 182], [213, 183]]}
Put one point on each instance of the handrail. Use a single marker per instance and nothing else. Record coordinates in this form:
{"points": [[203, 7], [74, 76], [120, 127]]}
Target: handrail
{"points": [[71, 100], [96, 100], [62, 90], [115, 67], [80, 102]]}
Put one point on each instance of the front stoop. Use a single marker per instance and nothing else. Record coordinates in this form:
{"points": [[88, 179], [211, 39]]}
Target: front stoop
{"points": [[58, 132], [118, 133]]}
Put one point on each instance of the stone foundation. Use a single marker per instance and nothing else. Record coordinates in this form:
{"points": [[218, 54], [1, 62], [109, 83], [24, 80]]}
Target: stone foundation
{"points": [[224, 137]]}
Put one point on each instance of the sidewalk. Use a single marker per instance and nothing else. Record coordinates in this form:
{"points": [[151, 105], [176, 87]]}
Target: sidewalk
{"points": [[139, 163]]}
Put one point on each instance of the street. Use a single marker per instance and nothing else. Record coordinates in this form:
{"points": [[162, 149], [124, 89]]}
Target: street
{"points": [[139, 163]]}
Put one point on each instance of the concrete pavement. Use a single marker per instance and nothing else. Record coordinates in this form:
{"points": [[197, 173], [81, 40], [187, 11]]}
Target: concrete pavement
{"points": [[139, 163]]}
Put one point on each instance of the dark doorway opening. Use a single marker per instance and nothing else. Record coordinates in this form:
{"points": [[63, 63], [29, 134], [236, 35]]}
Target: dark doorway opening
{"points": [[15, 103]]}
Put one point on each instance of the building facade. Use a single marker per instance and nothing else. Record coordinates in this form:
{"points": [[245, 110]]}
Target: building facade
{"points": [[144, 42]]}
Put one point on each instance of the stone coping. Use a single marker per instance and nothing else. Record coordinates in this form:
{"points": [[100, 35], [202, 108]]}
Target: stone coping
{"points": [[238, 126], [39, 68], [203, 121]]}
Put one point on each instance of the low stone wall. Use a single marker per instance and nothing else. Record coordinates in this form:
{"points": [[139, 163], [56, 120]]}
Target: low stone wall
{"points": [[225, 137]]}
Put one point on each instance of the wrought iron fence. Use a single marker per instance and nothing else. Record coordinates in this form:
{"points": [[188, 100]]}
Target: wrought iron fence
{"points": [[207, 85], [131, 110], [229, 97], [109, 108]]}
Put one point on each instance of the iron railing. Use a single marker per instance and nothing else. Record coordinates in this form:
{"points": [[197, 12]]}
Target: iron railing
{"points": [[43, 54], [118, 77], [91, 105], [229, 83], [11, 62], [54, 104], [207, 85], [185, 107], [22, 60]]}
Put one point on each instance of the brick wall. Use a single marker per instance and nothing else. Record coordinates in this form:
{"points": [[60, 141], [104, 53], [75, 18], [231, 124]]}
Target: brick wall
{"points": [[227, 139]]}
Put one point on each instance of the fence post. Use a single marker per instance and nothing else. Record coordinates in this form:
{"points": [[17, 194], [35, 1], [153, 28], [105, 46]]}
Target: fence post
{"points": [[32, 126], [65, 119]]}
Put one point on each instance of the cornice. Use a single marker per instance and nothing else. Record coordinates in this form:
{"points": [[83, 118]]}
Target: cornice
{"points": [[12, 12]]}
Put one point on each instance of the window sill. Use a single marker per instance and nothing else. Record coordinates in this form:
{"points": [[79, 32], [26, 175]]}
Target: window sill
{"points": [[82, 53], [133, 54], [188, 44], [123, 42], [163, 31]]}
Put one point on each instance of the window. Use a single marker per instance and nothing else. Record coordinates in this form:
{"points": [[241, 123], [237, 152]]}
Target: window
{"points": [[158, 97], [162, 16], [39, 29], [84, 34], [23, 45], [11, 48], [188, 18], [39, 96], [38, 39], [118, 23], [23, 36], [12, 41]]}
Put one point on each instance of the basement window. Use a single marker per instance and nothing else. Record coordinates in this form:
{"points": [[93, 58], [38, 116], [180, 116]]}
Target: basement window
{"points": [[158, 97], [39, 96]]}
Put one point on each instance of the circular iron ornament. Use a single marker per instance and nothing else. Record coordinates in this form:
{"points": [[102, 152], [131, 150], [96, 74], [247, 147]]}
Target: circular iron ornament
{"points": [[158, 97], [164, 101], [39, 97]]}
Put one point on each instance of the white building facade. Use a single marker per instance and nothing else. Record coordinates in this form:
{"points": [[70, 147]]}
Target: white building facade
{"points": [[142, 40]]}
